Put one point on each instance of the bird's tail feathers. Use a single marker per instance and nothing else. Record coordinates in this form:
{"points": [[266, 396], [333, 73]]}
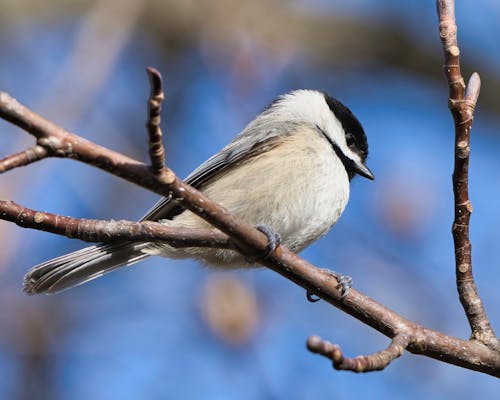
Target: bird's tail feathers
{"points": [[81, 266]]}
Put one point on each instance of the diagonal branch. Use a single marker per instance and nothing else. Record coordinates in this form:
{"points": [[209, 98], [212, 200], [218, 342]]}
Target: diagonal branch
{"points": [[462, 103]]}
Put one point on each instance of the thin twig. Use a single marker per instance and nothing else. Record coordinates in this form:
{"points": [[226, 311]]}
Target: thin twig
{"points": [[25, 157], [156, 150], [462, 103], [373, 362]]}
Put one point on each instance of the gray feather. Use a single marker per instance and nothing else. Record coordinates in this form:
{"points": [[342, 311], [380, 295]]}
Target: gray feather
{"points": [[81, 266], [258, 137]]}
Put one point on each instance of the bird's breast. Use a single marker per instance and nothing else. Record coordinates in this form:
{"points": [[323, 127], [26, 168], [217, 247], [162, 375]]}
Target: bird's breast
{"points": [[299, 189]]}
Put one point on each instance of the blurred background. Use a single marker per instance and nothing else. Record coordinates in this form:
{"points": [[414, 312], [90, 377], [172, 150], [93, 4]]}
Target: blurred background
{"points": [[173, 329]]}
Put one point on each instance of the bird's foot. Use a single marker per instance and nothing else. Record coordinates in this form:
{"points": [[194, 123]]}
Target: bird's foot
{"points": [[344, 284], [273, 239], [311, 297]]}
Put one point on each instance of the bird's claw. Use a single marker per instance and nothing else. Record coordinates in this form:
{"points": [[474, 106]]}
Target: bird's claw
{"points": [[344, 284], [273, 239], [311, 297]]}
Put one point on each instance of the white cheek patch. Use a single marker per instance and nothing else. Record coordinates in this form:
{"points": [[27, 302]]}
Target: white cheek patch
{"points": [[310, 106], [351, 155]]}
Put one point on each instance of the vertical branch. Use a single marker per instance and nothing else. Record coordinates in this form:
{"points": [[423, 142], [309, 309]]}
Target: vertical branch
{"points": [[156, 150], [462, 102]]}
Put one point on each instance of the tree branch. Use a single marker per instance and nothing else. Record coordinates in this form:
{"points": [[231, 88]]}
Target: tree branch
{"points": [[96, 230], [373, 362], [462, 102], [156, 150], [25, 157]]}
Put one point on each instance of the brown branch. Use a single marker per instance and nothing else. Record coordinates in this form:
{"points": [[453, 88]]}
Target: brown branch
{"points": [[462, 103], [61, 143], [373, 362], [25, 157], [94, 230], [156, 150]]}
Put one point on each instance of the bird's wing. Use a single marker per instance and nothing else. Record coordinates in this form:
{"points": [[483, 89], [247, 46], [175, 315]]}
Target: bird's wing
{"points": [[239, 150]]}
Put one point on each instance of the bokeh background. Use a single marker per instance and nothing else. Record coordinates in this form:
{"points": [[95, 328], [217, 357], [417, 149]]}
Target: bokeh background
{"points": [[173, 329]]}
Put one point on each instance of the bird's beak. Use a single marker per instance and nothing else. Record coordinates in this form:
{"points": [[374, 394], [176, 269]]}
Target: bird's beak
{"points": [[362, 170]]}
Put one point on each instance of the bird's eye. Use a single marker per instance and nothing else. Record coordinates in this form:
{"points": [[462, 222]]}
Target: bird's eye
{"points": [[350, 140]]}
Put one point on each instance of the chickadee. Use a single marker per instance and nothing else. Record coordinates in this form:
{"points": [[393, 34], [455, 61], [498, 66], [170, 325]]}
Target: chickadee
{"points": [[288, 170]]}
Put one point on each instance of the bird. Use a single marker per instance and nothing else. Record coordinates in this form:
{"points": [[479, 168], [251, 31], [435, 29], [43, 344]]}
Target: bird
{"points": [[288, 173]]}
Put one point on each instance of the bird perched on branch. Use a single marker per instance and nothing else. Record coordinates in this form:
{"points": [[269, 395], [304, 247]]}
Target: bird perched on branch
{"points": [[287, 172]]}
